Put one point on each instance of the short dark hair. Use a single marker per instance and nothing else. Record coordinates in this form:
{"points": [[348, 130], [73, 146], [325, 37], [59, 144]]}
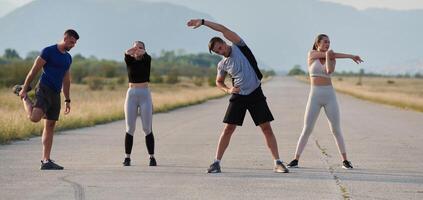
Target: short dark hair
{"points": [[213, 42], [140, 42], [72, 33]]}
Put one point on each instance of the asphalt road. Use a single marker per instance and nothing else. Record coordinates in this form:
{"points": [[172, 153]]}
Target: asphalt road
{"points": [[385, 145]]}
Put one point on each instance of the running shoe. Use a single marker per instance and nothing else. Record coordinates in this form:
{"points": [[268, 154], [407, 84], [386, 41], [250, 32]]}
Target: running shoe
{"points": [[50, 165], [280, 168], [153, 161], [293, 164], [17, 88], [214, 168], [127, 162], [347, 164]]}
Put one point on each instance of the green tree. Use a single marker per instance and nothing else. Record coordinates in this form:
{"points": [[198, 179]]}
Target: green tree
{"points": [[78, 57], [11, 54], [32, 55], [296, 70]]}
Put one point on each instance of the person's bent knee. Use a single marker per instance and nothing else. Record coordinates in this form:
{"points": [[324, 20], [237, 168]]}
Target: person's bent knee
{"points": [[130, 132], [34, 118], [265, 127], [229, 128], [147, 131], [51, 124], [36, 115]]}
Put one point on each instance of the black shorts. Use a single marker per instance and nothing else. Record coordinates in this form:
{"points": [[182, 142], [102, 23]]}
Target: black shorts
{"points": [[256, 105], [49, 101]]}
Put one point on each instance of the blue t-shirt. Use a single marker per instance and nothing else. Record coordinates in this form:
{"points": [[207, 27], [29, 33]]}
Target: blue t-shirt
{"points": [[57, 64]]}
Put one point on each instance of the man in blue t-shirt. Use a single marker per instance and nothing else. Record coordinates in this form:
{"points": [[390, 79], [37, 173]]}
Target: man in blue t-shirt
{"points": [[239, 62], [54, 62]]}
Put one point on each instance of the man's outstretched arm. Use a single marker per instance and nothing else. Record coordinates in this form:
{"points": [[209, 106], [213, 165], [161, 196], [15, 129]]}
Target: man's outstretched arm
{"points": [[228, 34]]}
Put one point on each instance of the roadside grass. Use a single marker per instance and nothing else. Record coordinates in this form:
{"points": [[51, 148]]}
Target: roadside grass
{"points": [[406, 93], [91, 107]]}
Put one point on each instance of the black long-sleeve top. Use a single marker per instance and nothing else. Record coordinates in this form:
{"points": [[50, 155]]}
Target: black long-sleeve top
{"points": [[138, 70]]}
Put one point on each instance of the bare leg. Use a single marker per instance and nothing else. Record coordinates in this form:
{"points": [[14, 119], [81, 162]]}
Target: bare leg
{"points": [[27, 103], [270, 139], [47, 138], [34, 114], [225, 137]]}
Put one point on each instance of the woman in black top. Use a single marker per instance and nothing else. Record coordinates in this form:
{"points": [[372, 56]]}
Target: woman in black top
{"points": [[138, 98]]}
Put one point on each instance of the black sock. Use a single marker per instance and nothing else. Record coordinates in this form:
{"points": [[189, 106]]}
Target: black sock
{"points": [[129, 140], [149, 142]]}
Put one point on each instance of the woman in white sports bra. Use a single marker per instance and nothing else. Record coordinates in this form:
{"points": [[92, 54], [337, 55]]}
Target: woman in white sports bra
{"points": [[321, 62]]}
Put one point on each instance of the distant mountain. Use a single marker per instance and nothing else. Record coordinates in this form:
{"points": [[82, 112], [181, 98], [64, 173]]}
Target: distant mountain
{"points": [[106, 27], [280, 32]]}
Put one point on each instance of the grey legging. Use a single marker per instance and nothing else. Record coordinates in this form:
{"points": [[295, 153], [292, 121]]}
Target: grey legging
{"points": [[138, 99], [321, 96]]}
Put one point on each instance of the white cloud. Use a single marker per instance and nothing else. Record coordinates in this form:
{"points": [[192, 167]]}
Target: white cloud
{"points": [[390, 4], [16, 3], [7, 6]]}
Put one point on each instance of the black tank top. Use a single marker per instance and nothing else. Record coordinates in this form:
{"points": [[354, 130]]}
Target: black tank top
{"points": [[138, 70]]}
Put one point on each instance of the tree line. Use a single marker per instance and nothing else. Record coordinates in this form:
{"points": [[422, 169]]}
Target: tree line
{"points": [[168, 67], [297, 70]]}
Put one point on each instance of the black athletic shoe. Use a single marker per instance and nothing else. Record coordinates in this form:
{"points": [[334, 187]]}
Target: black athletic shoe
{"points": [[50, 165], [293, 164], [214, 168], [127, 162], [280, 168], [347, 164], [17, 88], [153, 161]]}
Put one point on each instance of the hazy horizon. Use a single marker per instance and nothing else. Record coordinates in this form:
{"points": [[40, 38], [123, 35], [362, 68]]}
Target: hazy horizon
{"points": [[279, 35], [7, 6]]}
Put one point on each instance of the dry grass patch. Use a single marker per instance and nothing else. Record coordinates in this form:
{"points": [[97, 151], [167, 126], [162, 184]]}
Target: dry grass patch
{"points": [[94, 107], [405, 93]]}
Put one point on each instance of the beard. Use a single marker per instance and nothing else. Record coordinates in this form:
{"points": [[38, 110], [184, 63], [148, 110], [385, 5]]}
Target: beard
{"points": [[68, 48]]}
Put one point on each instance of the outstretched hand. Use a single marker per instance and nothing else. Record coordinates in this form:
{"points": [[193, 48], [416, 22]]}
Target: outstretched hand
{"points": [[357, 59], [194, 23]]}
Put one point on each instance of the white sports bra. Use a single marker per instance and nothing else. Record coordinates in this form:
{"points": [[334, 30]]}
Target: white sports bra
{"points": [[316, 69]]}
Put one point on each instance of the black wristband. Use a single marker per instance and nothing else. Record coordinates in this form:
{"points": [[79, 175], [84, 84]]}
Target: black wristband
{"points": [[202, 21], [67, 100]]}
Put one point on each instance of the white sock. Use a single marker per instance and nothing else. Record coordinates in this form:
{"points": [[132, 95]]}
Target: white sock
{"points": [[151, 155], [127, 155], [216, 160]]}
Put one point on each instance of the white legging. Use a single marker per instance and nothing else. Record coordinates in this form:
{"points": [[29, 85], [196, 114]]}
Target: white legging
{"points": [[321, 96], [138, 98]]}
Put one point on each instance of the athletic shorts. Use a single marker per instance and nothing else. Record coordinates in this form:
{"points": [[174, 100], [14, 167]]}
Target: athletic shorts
{"points": [[49, 101], [256, 105]]}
